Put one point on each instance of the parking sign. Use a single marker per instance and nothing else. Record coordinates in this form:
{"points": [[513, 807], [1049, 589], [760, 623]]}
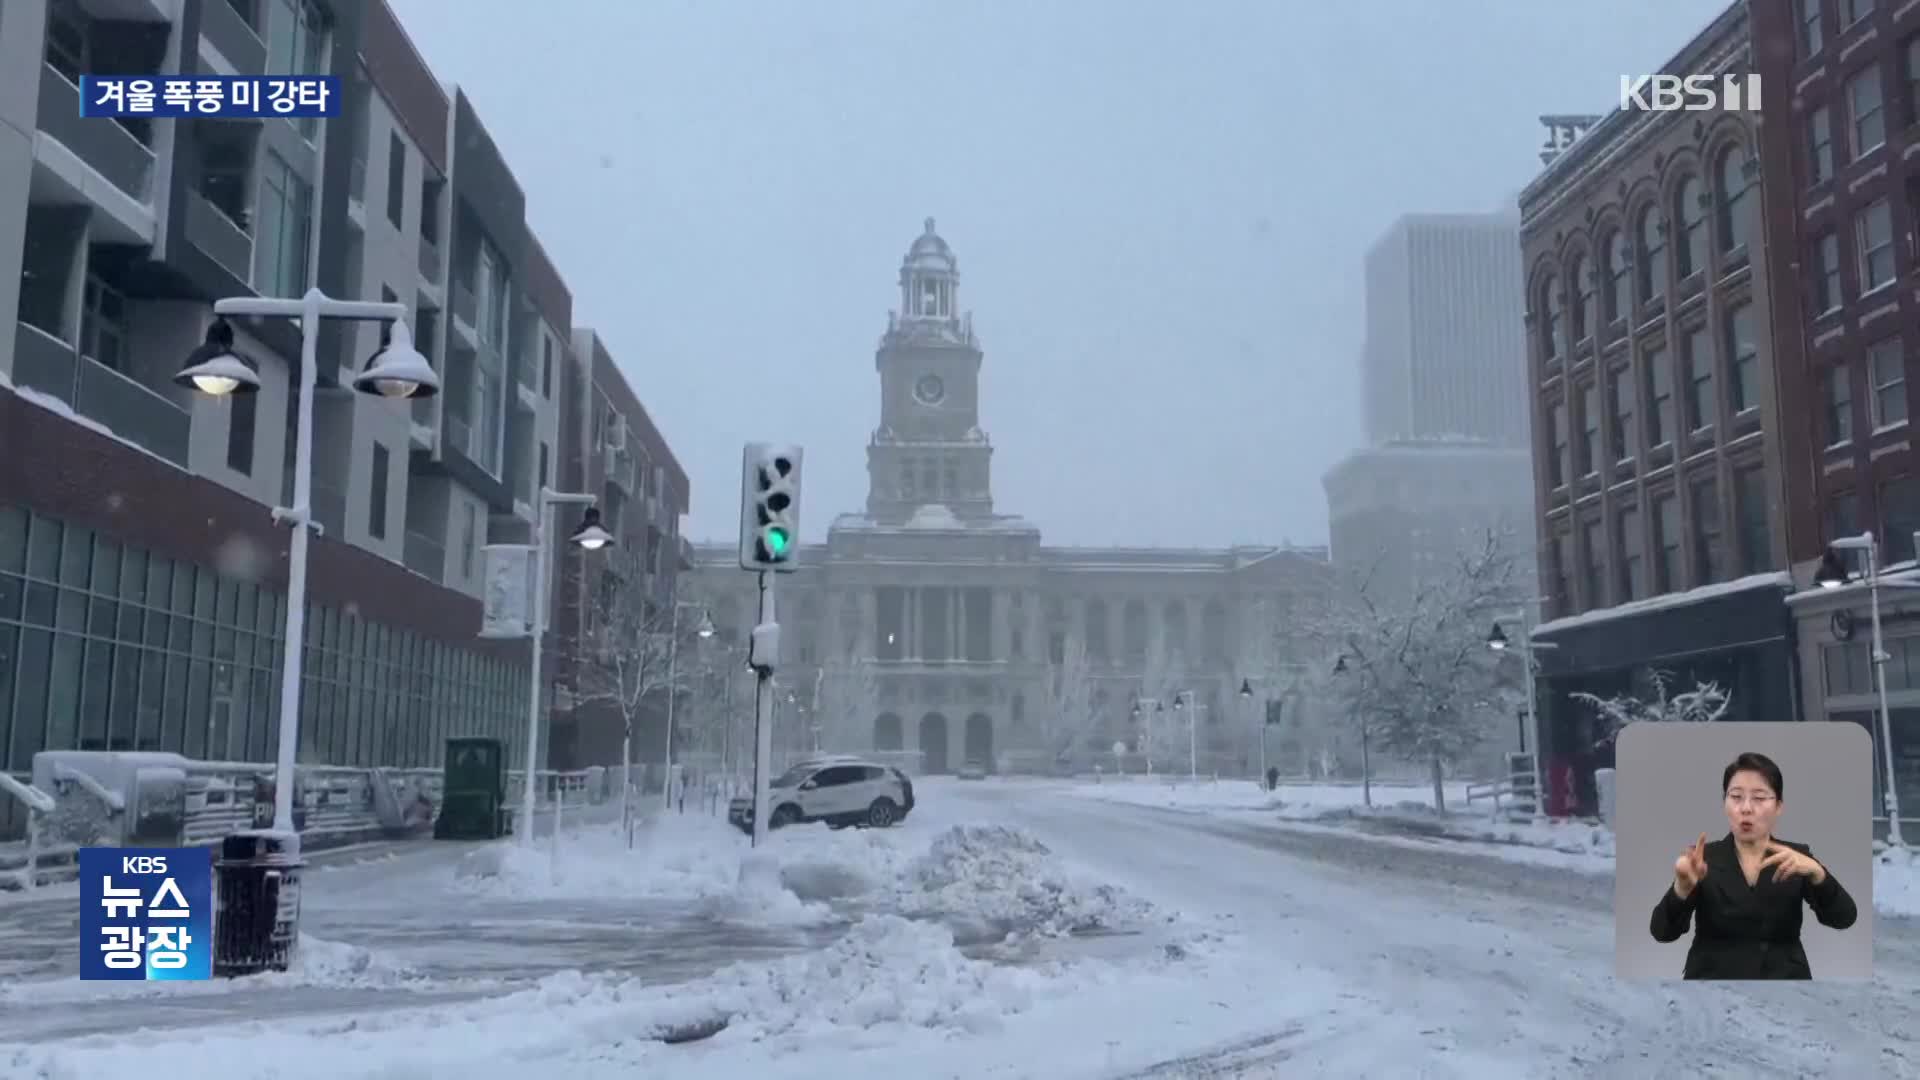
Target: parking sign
{"points": [[146, 913]]}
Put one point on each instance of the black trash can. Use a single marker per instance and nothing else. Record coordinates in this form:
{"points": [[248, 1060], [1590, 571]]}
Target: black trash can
{"points": [[256, 921]]}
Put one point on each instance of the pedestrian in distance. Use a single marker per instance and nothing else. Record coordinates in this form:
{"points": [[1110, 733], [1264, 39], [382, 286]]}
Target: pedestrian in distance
{"points": [[1744, 892]]}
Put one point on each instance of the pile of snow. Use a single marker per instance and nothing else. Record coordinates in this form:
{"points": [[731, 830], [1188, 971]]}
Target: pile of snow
{"points": [[887, 979], [1896, 882], [317, 964], [1291, 800], [994, 881]]}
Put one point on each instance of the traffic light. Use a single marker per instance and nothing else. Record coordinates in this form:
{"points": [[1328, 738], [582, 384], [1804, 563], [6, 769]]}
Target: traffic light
{"points": [[770, 507]]}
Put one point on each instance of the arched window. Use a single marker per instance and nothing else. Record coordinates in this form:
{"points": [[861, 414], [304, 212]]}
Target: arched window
{"points": [[1582, 277], [1549, 309], [1653, 256], [1733, 209], [1619, 263], [1691, 250]]}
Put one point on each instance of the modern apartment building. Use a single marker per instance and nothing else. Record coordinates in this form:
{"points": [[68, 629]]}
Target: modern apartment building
{"points": [[613, 450], [1443, 331], [1841, 193], [141, 581], [1657, 456]]}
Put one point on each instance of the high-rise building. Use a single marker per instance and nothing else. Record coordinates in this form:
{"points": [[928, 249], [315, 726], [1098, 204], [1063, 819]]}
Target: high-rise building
{"points": [[1444, 333], [142, 584]]}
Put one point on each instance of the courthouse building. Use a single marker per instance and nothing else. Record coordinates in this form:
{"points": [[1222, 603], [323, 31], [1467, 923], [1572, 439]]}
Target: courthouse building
{"points": [[967, 617]]}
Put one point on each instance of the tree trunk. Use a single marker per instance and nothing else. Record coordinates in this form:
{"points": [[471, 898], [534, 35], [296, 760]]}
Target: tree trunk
{"points": [[1439, 786]]}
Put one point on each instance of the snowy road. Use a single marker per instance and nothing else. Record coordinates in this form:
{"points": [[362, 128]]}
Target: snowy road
{"points": [[1467, 965], [1305, 953]]}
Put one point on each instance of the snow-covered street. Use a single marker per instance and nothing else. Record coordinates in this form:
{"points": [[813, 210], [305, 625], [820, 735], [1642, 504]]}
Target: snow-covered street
{"points": [[1230, 949]]}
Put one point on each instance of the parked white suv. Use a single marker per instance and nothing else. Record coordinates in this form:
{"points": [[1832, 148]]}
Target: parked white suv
{"points": [[837, 790]]}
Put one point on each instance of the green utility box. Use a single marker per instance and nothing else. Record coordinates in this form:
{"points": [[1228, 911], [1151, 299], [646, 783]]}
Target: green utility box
{"points": [[474, 803]]}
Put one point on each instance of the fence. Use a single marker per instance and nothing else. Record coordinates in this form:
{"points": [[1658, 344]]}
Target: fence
{"points": [[75, 800]]}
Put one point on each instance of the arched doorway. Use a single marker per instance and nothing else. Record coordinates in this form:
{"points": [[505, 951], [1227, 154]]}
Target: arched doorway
{"points": [[933, 744], [980, 740], [887, 733]]}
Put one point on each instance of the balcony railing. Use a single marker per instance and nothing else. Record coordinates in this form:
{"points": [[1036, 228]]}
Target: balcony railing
{"points": [[214, 233], [128, 410], [429, 260], [238, 42], [110, 149], [425, 555]]}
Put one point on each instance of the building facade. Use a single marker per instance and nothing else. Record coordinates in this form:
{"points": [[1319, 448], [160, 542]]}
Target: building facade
{"points": [[1657, 441], [1443, 332], [1444, 391], [1842, 198], [142, 585], [978, 642], [614, 452]]}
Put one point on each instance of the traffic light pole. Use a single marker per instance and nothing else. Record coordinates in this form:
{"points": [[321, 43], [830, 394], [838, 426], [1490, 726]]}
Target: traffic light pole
{"points": [[763, 718]]}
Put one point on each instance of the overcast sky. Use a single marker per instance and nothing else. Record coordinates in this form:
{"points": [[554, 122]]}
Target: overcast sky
{"points": [[1159, 211]]}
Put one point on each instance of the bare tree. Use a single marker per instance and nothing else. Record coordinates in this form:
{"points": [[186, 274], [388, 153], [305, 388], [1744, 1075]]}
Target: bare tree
{"points": [[627, 655], [1069, 707], [1420, 673], [1705, 703], [849, 701]]}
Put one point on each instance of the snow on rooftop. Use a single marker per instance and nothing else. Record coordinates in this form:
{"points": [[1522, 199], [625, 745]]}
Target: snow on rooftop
{"points": [[934, 516], [1779, 579]]}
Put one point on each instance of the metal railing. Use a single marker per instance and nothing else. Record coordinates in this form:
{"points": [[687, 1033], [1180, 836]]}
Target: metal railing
{"points": [[128, 409], [36, 805], [109, 149]]}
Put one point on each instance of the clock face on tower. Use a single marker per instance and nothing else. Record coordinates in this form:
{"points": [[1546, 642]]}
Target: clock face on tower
{"points": [[929, 390]]}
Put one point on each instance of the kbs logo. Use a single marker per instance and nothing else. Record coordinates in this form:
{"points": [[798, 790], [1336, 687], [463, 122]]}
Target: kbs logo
{"points": [[1689, 93]]}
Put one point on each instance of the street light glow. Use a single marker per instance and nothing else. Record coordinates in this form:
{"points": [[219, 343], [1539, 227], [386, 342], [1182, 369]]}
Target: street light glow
{"points": [[214, 368]]}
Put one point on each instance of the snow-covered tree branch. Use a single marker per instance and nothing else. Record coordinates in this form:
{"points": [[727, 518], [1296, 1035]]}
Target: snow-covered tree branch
{"points": [[1069, 706], [1705, 703], [627, 658], [1419, 673]]}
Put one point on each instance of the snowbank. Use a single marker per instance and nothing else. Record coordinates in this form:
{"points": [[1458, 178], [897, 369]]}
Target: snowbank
{"points": [[318, 964], [1291, 800], [889, 983], [999, 881]]}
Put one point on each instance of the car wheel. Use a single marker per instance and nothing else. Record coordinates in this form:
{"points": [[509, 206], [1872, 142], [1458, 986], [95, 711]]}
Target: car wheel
{"points": [[881, 814], [784, 816]]}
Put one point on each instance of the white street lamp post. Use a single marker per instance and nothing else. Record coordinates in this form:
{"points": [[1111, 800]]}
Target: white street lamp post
{"points": [[1497, 641], [1867, 546], [396, 371], [1184, 700], [673, 691], [591, 536]]}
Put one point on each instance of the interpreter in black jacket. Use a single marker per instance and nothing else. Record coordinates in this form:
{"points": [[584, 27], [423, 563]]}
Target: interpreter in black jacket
{"points": [[1744, 891]]}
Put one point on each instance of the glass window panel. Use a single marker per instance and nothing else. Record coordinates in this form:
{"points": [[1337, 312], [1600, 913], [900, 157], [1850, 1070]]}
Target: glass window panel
{"points": [[63, 691], [193, 736], [183, 578], [222, 643], [12, 590], [13, 539], [203, 594], [39, 603], [129, 628], [200, 709], [9, 663], [133, 575], [96, 686], [153, 698], [156, 636], [227, 605], [202, 638], [105, 578], [159, 581], [71, 614], [123, 712], [76, 556], [243, 650], [179, 633], [263, 721], [43, 550], [30, 706], [266, 616], [244, 603], [102, 617]]}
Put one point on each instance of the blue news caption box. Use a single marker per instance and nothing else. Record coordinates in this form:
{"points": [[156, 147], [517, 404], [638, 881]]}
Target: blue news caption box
{"points": [[146, 914], [209, 95]]}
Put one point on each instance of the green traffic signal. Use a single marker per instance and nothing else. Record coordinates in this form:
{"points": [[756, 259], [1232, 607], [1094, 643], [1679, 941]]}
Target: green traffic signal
{"points": [[777, 542]]}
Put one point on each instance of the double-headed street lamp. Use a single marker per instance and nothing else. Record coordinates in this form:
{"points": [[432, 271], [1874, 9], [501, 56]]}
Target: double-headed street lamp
{"points": [[1146, 737], [705, 631], [1497, 641], [589, 535], [1831, 575], [1184, 699], [396, 370]]}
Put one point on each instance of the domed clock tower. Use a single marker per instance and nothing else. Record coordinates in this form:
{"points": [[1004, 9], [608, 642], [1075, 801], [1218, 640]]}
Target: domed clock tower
{"points": [[928, 450]]}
